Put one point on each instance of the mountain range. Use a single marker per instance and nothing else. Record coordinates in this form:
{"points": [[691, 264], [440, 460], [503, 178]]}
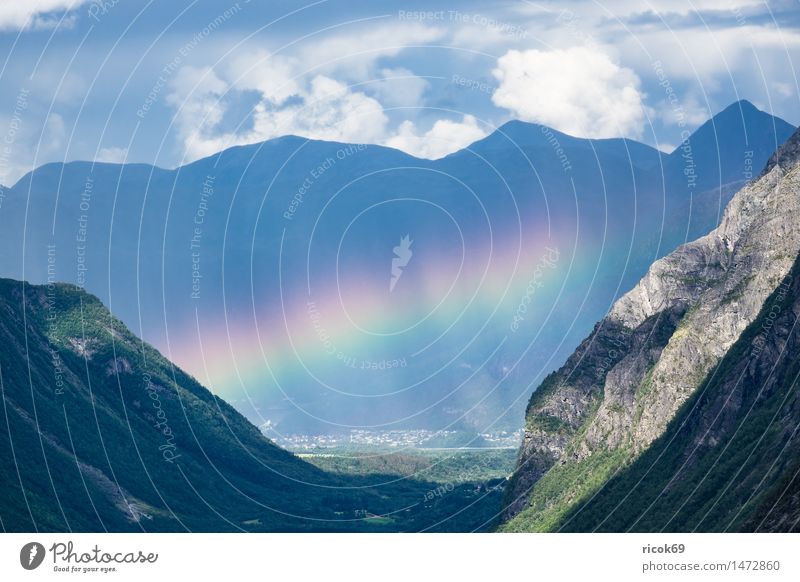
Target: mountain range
{"points": [[266, 271], [678, 412]]}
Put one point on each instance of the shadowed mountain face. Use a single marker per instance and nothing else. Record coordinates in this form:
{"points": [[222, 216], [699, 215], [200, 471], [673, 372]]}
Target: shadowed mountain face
{"points": [[680, 411], [278, 274], [101, 433]]}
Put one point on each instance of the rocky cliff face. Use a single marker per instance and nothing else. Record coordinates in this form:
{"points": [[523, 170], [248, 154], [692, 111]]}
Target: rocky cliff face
{"points": [[616, 395], [730, 458]]}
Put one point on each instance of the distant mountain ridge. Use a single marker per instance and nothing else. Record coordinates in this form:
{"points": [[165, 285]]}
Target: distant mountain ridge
{"points": [[715, 145], [291, 260]]}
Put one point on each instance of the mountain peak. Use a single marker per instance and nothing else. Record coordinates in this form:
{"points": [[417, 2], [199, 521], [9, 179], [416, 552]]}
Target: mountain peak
{"points": [[737, 113], [741, 105], [730, 145]]}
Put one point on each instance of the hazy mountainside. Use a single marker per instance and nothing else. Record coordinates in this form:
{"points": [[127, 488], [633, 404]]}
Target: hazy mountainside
{"points": [[675, 372], [716, 145], [101, 433], [265, 270]]}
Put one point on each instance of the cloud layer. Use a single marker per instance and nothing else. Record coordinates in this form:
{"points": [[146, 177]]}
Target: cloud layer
{"points": [[316, 106], [26, 14], [579, 90]]}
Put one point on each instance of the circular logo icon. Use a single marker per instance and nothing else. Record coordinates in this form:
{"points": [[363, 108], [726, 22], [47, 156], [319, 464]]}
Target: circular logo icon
{"points": [[31, 555]]}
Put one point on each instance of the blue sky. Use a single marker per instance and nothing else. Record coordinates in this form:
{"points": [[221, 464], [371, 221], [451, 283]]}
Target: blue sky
{"points": [[167, 82]]}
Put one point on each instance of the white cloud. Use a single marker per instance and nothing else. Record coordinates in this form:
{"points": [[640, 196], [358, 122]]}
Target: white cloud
{"points": [[19, 15], [665, 147], [54, 134], [112, 155], [332, 89], [271, 75], [679, 7], [197, 93], [399, 88], [445, 137], [191, 82], [783, 89], [353, 55], [578, 91], [330, 110], [613, 9], [481, 32], [324, 109], [710, 57], [295, 96], [686, 112]]}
